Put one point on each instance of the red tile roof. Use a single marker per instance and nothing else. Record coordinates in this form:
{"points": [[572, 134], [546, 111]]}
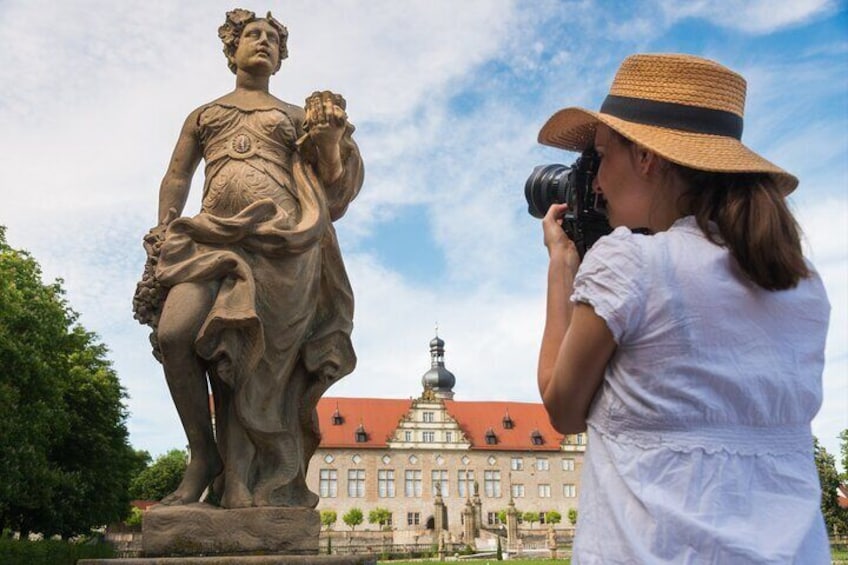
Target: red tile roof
{"points": [[144, 504], [380, 417], [475, 418]]}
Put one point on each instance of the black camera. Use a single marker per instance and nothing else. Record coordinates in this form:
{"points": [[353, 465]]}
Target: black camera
{"points": [[585, 221]]}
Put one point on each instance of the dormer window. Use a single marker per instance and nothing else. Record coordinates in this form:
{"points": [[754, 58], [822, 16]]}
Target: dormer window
{"points": [[337, 418], [536, 438], [508, 424], [360, 435], [491, 438]]}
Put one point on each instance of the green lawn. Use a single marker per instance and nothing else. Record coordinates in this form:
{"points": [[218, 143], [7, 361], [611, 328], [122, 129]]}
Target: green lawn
{"points": [[839, 556]]}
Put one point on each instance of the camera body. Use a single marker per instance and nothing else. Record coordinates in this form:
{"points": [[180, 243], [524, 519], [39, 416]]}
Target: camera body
{"points": [[585, 221]]}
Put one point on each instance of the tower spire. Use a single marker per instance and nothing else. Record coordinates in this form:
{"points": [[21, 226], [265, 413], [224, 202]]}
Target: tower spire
{"points": [[438, 378]]}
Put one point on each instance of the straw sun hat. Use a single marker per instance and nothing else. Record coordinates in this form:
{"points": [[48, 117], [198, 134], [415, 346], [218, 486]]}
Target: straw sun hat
{"points": [[686, 109]]}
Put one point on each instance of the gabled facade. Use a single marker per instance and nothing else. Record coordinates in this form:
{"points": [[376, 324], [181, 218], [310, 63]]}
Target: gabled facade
{"points": [[397, 454]]}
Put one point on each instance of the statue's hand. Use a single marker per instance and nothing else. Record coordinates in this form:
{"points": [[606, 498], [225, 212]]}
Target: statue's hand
{"points": [[326, 120], [157, 233]]}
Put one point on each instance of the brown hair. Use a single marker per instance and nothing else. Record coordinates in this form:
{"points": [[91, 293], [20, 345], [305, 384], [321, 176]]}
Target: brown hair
{"points": [[754, 223]]}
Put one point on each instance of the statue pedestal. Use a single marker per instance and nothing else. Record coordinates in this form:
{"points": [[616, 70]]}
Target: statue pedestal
{"points": [[201, 529], [240, 560]]}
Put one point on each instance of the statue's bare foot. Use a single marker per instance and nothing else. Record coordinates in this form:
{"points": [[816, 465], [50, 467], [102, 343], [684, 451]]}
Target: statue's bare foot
{"points": [[305, 498], [197, 477], [236, 495]]}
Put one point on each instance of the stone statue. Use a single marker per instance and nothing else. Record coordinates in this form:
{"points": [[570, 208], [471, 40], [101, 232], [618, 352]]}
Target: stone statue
{"points": [[249, 298]]}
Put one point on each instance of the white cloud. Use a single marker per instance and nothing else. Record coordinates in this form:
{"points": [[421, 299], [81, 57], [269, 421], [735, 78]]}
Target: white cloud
{"points": [[91, 124], [750, 16]]}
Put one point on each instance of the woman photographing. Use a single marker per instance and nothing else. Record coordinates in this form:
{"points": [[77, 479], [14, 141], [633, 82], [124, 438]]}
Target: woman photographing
{"points": [[689, 342]]}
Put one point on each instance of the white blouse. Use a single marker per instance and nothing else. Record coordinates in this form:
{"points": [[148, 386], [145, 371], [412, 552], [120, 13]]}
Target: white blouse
{"points": [[700, 448]]}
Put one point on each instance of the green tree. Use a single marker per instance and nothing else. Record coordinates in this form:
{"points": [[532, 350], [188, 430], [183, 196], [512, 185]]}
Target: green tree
{"points": [[531, 516], [553, 517], [135, 517], [835, 517], [380, 516], [353, 518], [572, 516], [843, 448], [66, 460], [161, 478], [328, 518]]}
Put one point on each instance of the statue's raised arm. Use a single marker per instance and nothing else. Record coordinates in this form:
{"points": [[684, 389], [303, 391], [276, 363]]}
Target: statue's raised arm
{"points": [[249, 298]]}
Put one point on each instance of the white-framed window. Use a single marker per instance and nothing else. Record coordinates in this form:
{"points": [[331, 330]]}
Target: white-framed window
{"points": [[517, 491], [448, 437], [581, 439], [492, 483], [428, 437], [412, 483], [429, 417], [516, 463], [407, 435], [439, 477], [386, 483], [569, 490], [356, 483], [413, 518], [544, 491], [493, 518], [465, 482], [542, 464], [328, 483], [568, 464]]}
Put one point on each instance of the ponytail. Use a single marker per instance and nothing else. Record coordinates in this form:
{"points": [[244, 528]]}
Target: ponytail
{"points": [[753, 221]]}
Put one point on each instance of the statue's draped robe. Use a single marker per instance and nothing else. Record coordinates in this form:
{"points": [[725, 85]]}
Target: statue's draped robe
{"points": [[278, 333]]}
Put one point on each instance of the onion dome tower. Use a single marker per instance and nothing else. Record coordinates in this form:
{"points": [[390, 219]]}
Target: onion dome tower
{"points": [[438, 378]]}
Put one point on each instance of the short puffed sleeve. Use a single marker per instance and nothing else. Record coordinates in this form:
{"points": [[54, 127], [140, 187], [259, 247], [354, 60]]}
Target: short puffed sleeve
{"points": [[611, 280]]}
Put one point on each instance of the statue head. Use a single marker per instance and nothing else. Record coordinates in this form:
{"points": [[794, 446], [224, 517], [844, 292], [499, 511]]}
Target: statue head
{"points": [[230, 34]]}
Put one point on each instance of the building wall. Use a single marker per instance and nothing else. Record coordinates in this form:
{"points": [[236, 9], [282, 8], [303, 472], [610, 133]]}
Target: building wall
{"points": [[563, 468]]}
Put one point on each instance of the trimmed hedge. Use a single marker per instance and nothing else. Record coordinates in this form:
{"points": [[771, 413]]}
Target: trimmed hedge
{"points": [[50, 552]]}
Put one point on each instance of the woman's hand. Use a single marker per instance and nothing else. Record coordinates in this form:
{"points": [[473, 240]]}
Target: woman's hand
{"points": [[560, 247]]}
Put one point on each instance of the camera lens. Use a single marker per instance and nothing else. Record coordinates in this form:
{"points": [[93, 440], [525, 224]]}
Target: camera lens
{"points": [[546, 185]]}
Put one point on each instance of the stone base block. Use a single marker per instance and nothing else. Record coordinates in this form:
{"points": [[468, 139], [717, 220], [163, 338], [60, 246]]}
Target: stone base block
{"points": [[204, 530], [242, 560]]}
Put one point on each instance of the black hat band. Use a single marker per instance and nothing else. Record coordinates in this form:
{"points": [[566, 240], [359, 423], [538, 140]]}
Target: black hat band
{"points": [[671, 115]]}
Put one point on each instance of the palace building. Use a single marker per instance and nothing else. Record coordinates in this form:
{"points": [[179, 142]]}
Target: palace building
{"points": [[400, 454]]}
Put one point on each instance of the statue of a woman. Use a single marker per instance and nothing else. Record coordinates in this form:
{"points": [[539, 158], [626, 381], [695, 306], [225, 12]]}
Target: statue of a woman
{"points": [[250, 298]]}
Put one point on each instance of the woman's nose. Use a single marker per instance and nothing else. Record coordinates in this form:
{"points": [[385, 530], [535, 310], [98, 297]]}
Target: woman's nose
{"points": [[596, 186]]}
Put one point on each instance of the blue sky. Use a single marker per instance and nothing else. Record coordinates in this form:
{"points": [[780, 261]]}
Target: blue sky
{"points": [[447, 98]]}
